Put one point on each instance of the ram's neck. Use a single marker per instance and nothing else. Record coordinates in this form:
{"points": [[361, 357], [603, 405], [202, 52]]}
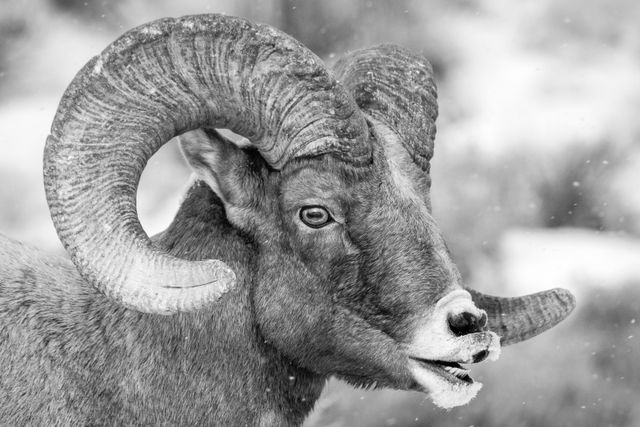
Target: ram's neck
{"points": [[225, 343], [94, 362]]}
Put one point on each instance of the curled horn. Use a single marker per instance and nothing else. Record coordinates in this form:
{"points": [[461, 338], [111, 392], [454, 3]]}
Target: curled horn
{"points": [[520, 318], [395, 87], [160, 80]]}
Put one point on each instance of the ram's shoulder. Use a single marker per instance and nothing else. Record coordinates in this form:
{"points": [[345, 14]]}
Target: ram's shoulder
{"points": [[18, 258], [29, 275]]}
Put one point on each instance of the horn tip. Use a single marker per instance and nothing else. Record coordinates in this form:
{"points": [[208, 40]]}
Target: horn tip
{"points": [[566, 298]]}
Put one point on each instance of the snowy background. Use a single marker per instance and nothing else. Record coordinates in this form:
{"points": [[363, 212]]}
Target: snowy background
{"points": [[536, 174]]}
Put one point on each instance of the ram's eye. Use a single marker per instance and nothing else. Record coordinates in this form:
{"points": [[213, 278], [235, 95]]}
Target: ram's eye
{"points": [[315, 216]]}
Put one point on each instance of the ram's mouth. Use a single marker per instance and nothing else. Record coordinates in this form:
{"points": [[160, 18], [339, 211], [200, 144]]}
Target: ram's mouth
{"points": [[450, 371]]}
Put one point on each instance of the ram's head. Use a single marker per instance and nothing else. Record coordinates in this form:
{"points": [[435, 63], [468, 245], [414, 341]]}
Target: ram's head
{"points": [[350, 274]]}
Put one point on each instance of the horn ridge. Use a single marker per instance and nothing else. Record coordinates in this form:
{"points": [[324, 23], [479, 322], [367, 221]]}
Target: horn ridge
{"points": [[520, 318], [157, 81], [396, 87]]}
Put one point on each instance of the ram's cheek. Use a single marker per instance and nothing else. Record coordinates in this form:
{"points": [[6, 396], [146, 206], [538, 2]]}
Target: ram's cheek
{"points": [[294, 314], [361, 354]]}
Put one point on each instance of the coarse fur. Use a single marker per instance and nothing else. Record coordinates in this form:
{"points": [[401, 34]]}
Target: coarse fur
{"points": [[325, 256], [71, 355], [341, 300]]}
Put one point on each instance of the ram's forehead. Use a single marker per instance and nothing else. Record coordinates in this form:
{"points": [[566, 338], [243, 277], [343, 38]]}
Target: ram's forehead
{"points": [[311, 183], [409, 189]]}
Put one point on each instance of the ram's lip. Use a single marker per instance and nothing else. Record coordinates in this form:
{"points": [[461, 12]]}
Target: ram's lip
{"points": [[450, 371]]}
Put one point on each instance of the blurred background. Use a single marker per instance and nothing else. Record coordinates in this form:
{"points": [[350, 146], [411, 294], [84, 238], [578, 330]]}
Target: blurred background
{"points": [[536, 175]]}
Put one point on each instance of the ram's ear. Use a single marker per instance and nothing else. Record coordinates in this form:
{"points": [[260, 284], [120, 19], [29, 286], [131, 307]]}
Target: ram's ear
{"points": [[234, 173]]}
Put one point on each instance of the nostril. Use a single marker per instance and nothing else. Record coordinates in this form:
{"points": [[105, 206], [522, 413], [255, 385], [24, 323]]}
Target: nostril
{"points": [[483, 321], [466, 323], [480, 356]]}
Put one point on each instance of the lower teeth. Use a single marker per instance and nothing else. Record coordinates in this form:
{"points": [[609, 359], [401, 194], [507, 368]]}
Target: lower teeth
{"points": [[459, 373]]}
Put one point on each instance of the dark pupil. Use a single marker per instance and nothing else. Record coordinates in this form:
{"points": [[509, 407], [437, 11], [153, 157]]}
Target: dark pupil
{"points": [[315, 216]]}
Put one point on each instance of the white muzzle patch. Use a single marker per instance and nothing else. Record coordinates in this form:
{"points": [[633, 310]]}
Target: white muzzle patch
{"points": [[443, 393], [436, 352]]}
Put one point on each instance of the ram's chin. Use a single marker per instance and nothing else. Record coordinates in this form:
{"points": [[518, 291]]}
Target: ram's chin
{"points": [[445, 391]]}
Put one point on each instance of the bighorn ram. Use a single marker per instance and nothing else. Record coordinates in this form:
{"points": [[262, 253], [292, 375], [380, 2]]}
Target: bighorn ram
{"points": [[311, 253]]}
